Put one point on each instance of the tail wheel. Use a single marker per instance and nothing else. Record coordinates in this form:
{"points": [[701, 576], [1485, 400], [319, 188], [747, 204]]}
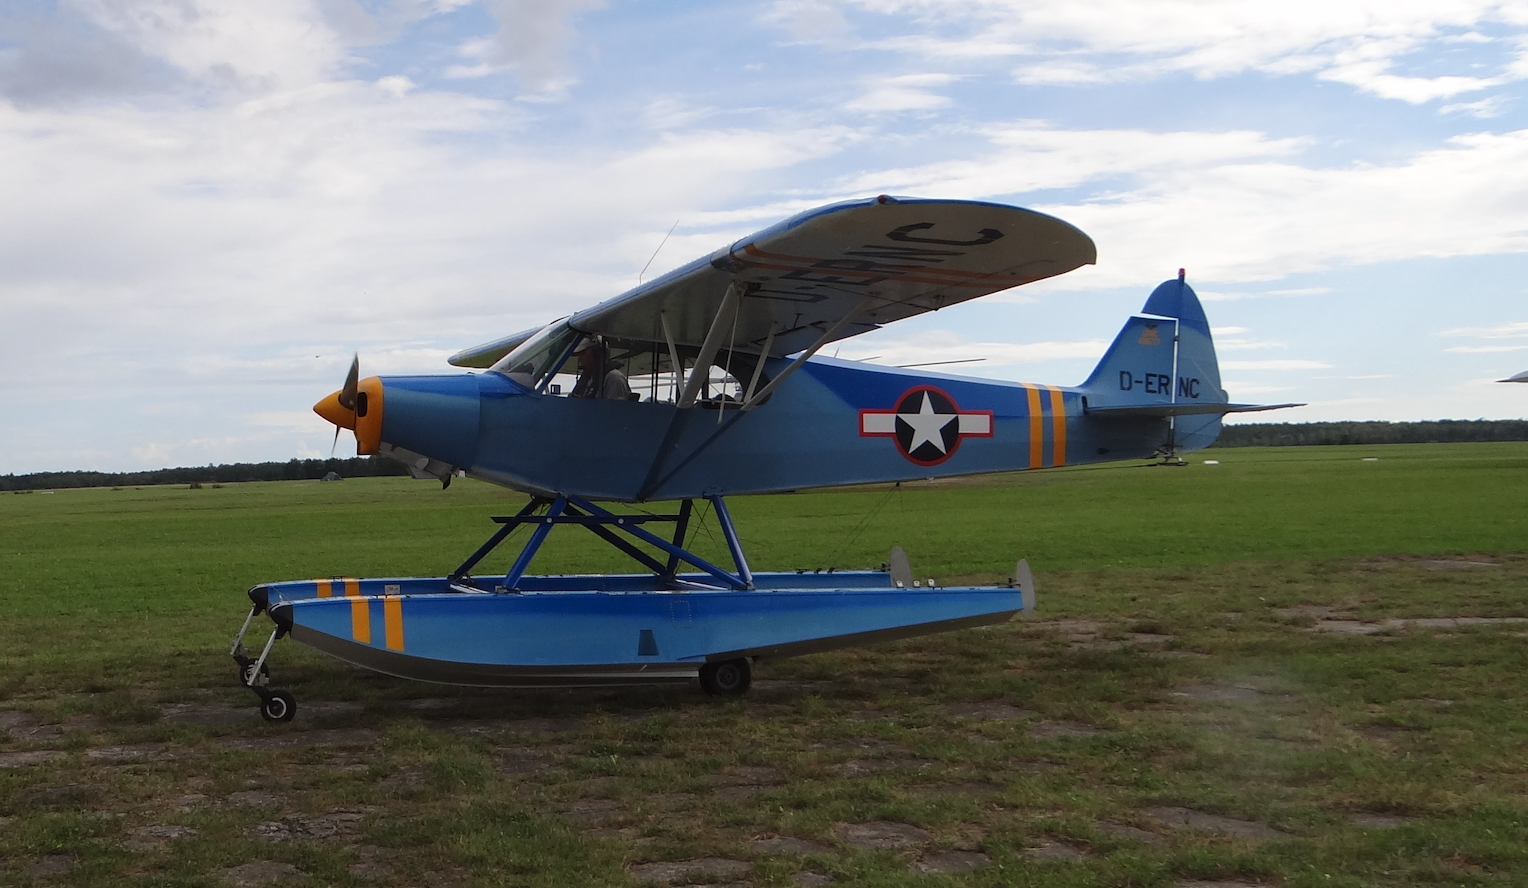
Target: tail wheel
{"points": [[278, 706], [729, 678]]}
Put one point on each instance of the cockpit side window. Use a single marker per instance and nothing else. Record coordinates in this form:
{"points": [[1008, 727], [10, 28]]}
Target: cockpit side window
{"points": [[545, 363]]}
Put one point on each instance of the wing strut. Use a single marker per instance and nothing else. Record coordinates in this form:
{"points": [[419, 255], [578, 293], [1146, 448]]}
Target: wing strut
{"points": [[673, 354], [824, 339], [759, 367], [708, 349]]}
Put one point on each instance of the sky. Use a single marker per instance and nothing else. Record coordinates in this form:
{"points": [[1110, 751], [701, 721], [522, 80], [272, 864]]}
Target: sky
{"points": [[206, 208]]}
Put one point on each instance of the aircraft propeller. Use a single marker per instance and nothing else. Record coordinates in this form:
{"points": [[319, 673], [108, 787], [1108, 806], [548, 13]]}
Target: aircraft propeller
{"points": [[346, 407], [347, 396]]}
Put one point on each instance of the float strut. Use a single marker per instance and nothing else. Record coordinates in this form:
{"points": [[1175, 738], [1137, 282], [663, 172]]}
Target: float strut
{"points": [[730, 533]]}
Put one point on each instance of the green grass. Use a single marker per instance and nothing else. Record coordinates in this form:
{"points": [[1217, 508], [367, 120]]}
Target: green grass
{"points": [[117, 603]]}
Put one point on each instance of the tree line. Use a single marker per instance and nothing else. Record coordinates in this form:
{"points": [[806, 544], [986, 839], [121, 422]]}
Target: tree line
{"points": [[1443, 431], [1267, 434], [291, 470]]}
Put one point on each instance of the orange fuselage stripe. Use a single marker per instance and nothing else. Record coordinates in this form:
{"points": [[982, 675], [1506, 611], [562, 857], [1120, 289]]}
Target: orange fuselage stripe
{"points": [[325, 588], [1058, 426], [1036, 428]]}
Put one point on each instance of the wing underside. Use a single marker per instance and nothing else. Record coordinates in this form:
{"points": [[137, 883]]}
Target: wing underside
{"points": [[835, 272]]}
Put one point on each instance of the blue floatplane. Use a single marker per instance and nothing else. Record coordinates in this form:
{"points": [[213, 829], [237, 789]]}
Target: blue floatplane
{"points": [[705, 383]]}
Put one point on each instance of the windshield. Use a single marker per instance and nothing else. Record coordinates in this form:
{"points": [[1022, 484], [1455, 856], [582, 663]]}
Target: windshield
{"points": [[538, 358]]}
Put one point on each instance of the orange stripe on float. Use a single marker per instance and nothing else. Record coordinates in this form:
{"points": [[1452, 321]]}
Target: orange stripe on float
{"points": [[1058, 426], [352, 587], [325, 588], [392, 622], [1036, 428], [360, 620]]}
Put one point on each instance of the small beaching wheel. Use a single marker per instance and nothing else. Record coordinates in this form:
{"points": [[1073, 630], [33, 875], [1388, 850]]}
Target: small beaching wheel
{"points": [[278, 706], [729, 678]]}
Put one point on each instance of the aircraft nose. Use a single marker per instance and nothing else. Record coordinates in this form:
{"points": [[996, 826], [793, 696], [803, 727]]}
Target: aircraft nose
{"points": [[363, 415]]}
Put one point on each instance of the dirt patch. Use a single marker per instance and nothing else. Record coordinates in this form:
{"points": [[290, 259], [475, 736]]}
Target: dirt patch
{"points": [[991, 711], [1066, 626], [1378, 821], [524, 760], [67, 795], [1313, 612], [952, 862], [592, 809], [371, 863], [953, 790], [668, 800], [1053, 850], [865, 767], [403, 779], [811, 879], [54, 865], [152, 838], [257, 799], [786, 845], [1130, 834], [295, 827], [1358, 627], [882, 834], [1062, 731], [1188, 818], [215, 716], [300, 739], [1032, 767], [27, 758], [676, 871], [1443, 564], [748, 775], [261, 872], [158, 752], [1223, 695], [1197, 883]]}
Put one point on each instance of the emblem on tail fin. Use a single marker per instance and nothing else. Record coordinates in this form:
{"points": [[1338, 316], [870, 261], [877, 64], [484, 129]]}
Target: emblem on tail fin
{"points": [[926, 424]]}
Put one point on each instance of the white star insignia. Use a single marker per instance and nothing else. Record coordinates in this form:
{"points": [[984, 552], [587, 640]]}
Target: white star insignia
{"points": [[927, 425]]}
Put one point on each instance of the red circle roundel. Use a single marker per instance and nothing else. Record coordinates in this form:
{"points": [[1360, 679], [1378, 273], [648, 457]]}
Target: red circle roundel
{"points": [[926, 424]]}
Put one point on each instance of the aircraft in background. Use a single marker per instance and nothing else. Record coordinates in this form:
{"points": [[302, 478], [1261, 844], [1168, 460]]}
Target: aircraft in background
{"points": [[1516, 377], [706, 383]]}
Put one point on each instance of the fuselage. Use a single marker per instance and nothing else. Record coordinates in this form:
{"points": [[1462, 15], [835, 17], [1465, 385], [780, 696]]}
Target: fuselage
{"points": [[833, 423]]}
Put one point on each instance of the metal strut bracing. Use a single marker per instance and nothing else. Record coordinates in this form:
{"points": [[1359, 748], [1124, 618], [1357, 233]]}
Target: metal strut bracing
{"points": [[541, 514]]}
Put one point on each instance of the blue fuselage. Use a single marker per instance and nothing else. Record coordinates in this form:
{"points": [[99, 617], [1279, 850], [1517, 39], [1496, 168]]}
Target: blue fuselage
{"points": [[833, 423]]}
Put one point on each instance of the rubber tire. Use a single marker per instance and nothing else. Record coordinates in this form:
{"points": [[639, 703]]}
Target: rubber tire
{"points": [[729, 678], [278, 706]]}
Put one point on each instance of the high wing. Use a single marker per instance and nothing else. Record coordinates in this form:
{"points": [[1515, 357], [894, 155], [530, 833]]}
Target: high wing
{"points": [[831, 273]]}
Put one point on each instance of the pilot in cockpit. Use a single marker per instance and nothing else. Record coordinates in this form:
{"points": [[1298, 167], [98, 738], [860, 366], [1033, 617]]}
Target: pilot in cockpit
{"points": [[598, 376]]}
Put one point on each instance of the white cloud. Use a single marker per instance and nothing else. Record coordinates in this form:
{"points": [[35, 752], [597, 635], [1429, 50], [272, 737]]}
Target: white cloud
{"points": [[532, 40], [1030, 156], [1280, 364], [1500, 331], [1359, 42], [908, 92]]}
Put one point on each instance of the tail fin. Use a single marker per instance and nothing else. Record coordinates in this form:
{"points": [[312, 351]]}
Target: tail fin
{"points": [[1163, 364]]}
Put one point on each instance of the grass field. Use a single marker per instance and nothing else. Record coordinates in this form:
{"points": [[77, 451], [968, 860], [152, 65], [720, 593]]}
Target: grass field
{"points": [[1251, 673]]}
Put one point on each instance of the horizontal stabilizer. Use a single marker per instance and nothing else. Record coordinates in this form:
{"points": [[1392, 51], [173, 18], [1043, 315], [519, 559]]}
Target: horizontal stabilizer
{"points": [[1189, 408]]}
